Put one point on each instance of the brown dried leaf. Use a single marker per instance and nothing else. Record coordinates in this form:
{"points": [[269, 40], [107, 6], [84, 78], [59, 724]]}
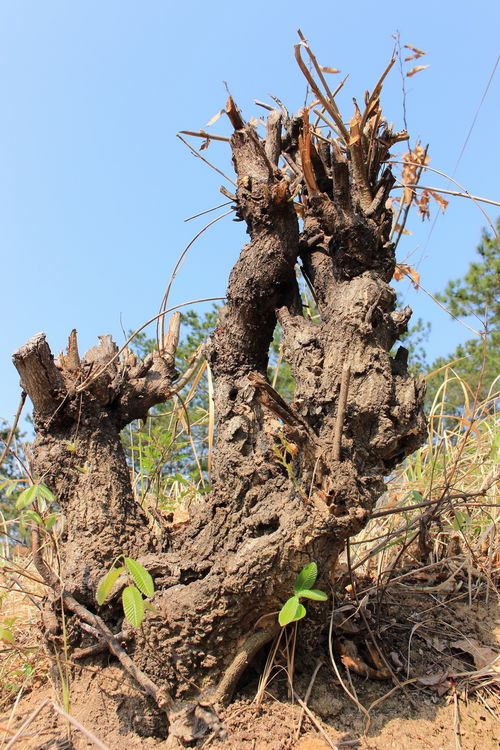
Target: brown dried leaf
{"points": [[483, 655], [439, 644], [402, 270], [215, 117], [415, 277], [440, 682], [416, 69], [423, 205], [325, 69], [358, 666], [409, 173], [418, 52], [396, 660], [206, 143], [401, 230], [350, 659], [442, 202]]}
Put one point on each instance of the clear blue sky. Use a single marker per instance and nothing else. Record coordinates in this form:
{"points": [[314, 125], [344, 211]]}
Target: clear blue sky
{"points": [[94, 185]]}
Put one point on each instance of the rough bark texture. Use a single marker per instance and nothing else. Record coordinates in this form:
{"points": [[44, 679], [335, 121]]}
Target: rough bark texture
{"points": [[80, 408], [238, 558]]}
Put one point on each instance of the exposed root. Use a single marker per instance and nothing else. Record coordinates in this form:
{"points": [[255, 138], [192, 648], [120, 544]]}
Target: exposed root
{"points": [[255, 641]]}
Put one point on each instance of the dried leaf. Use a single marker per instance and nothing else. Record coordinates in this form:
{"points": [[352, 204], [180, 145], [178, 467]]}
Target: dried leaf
{"points": [[206, 143], [423, 205], [413, 160], [325, 69], [440, 682], [396, 660], [358, 666], [442, 202], [437, 643], [415, 277], [483, 655], [401, 230], [402, 270], [418, 52], [350, 659], [416, 69], [215, 117]]}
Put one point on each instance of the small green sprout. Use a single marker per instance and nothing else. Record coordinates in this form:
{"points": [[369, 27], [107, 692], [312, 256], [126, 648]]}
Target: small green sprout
{"points": [[140, 583], [39, 496], [293, 610]]}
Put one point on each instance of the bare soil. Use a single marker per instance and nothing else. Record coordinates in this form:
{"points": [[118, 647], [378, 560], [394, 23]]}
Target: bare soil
{"points": [[440, 639]]}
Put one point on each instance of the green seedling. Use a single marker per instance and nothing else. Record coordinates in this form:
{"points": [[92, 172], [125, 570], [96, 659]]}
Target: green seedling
{"points": [[140, 585], [36, 492], [293, 610], [34, 503]]}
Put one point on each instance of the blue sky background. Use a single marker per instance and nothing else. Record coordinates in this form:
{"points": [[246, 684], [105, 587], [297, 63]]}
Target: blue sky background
{"points": [[95, 187]]}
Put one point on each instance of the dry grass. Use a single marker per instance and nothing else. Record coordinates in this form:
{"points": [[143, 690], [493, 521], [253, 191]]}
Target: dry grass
{"points": [[441, 507], [23, 662]]}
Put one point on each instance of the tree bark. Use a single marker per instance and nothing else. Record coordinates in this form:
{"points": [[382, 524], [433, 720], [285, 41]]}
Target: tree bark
{"points": [[356, 413]]}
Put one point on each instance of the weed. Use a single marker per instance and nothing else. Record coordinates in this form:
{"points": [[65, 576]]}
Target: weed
{"points": [[293, 610], [140, 584]]}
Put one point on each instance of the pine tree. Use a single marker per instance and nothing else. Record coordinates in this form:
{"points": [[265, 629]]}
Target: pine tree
{"points": [[475, 297]]}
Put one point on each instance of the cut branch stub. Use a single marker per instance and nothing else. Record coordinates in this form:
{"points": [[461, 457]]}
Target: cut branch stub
{"points": [[40, 378], [78, 452]]}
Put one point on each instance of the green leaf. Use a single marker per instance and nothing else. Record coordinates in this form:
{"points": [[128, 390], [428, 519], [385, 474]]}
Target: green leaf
{"points": [[30, 494], [32, 515], [306, 578], [44, 492], [461, 520], [27, 496], [318, 596], [6, 635], [292, 610], [107, 583], [133, 605], [50, 521], [141, 577], [11, 489]]}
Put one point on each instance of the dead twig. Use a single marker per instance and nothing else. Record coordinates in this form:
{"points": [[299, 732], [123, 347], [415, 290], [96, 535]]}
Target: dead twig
{"points": [[12, 432], [339, 423], [307, 696], [199, 156], [86, 732]]}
